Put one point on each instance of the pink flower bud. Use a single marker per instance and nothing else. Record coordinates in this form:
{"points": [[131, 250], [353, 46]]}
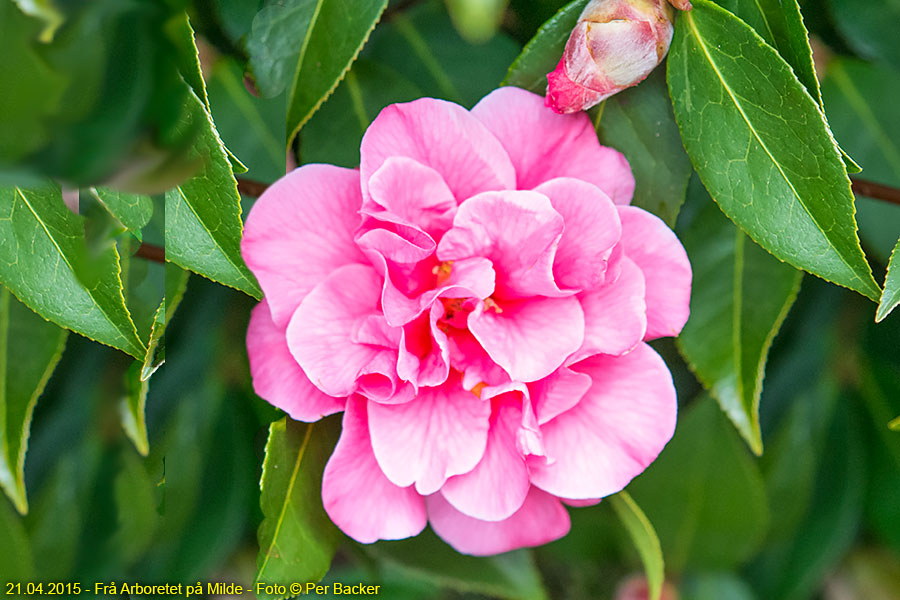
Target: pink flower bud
{"points": [[615, 45]]}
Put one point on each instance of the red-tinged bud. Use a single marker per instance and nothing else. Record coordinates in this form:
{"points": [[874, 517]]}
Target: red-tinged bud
{"points": [[615, 45]]}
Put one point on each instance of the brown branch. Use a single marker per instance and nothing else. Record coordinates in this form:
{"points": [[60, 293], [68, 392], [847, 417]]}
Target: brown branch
{"points": [[151, 252], [399, 7], [250, 187], [863, 187]]}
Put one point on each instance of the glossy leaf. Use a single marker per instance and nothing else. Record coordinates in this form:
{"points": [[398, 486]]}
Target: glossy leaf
{"points": [[762, 147], [306, 47], [645, 540], [870, 27], [512, 575], [713, 514], [203, 217], [861, 110], [739, 297], [542, 53], [476, 20], [890, 298], [44, 262], [132, 210], [296, 538], [639, 123], [30, 347]]}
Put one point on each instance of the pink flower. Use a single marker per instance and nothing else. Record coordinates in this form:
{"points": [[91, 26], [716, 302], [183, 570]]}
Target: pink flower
{"points": [[614, 46], [476, 298]]}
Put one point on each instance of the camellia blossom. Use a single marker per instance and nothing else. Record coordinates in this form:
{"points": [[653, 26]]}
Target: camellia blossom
{"points": [[615, 45], [476, 299]]}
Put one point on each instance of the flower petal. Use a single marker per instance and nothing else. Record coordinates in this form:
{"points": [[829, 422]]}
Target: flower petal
{"points": [[424, 353], [441, 433], [277, 378], [541, 519], [497, 486], [440, 135], [356, 494], [299, 231], [616, 430], [531, 338], [409, 192], [650, 243], [543, 145], [557, 393], [321, 333]]}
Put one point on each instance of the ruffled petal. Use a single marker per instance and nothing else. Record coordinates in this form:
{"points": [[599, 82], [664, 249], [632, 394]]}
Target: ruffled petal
{"points": [[541, 519], [441, 433], [616, 430], [358, 497], [440, 135], [557, 393], [649, 242], [543, 145], [424, 358], [409, 192], [277, 378], [497, 486], [299, 231]]}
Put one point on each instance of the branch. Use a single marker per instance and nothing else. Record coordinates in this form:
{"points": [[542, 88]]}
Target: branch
{"points": [[151, 252], [250, 187], [863, 187]]}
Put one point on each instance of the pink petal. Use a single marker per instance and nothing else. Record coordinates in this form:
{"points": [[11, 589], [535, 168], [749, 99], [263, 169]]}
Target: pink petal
{"points": [[468, 357], [531, 338], [277, 378], [412, 193], [557, 393], [441, 433], [497, 486], [320, 334], [541, 519], [565, 96], [356, 494], [299, 231], [424, 358], [667, 272], [592, 229], [518, 231], [543, 145], [396, 242], [440, 135], [616, 430], [615, 315]]}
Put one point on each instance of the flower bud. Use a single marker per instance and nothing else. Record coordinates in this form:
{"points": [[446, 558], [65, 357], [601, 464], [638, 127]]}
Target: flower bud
{"points": [[615, 45]]}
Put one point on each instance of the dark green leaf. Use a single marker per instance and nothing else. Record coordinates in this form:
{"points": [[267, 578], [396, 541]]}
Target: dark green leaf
{"points": [[512, 575], [30, 347], [861, 110], [16, 563], [476, 20], [870, 27], [639, 123], [739, 297], [296, 538], [132, 210], [762, 147], [203, 217], [54, 523], [890, 298], [543, 52], [713, 513], [644, 537], [137, 518], [44, 262], [306, 47]]}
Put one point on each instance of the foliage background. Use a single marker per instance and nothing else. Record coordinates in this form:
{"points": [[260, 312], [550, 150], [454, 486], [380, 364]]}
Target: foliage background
{"points": [[817, 515]]}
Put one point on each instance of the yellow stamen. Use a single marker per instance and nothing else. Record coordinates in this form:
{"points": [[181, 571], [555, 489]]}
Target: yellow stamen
{"points": [[477, 389], [442, 271], [490, 303]]}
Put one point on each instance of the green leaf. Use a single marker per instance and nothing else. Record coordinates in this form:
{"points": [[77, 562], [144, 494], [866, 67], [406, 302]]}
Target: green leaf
{"points": [[895, 424], [543, 51], [739, 298], [476, 20], [870, 27], [639, 123], [644, 537], [715, 586], [137, 519], [30, 347], [296, 538], [55, 520], [890, 298], [713, 514], [16, 563], [132, 210], [45, 10], [863, 115], [306, 47], [203, 217], [762, 147], [44, 262], [512, 575]]}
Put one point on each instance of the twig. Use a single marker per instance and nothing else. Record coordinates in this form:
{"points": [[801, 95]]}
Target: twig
{"points": [[250, 187], [151, 252], [878, 191], [399, 7]]}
